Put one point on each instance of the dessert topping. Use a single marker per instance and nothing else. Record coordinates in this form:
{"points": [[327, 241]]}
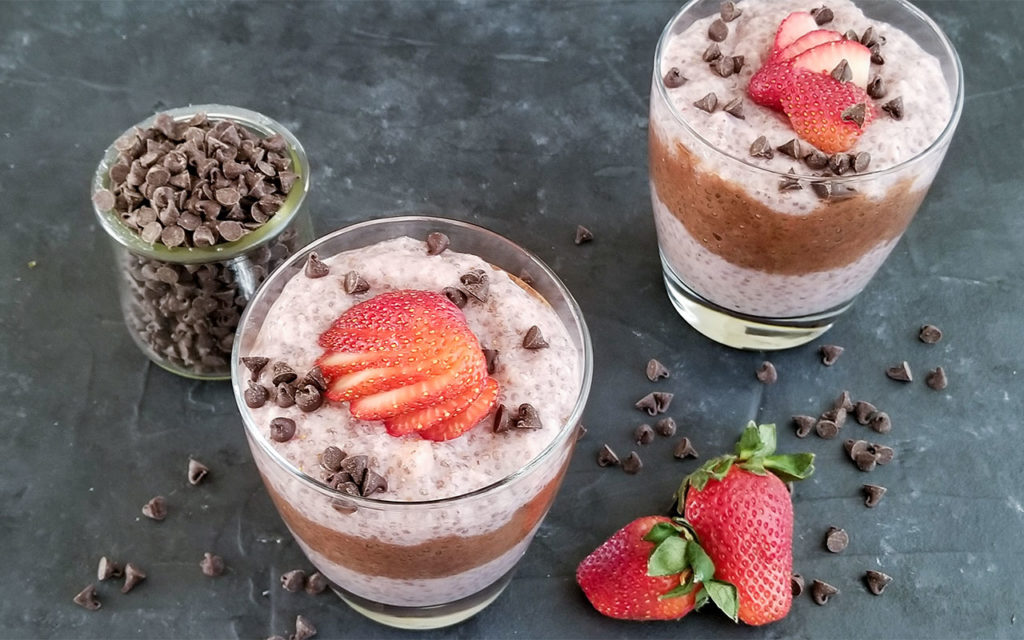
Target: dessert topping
{"points": [[476, 284], [674, 78], [735, 108], [761, 149], [534, 339], [457, 296], [729, 12], [437, 242], [894, 108], [790, 182], [282, 429], [315, 268], [712, 53], [876, 87], [718, 31], [256, 395], [822, 15], [707, 103]]}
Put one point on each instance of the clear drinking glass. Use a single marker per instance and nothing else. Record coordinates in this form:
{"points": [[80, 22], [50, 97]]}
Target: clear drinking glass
{"points": [[748, 263], [182, 304], [431, 563]]}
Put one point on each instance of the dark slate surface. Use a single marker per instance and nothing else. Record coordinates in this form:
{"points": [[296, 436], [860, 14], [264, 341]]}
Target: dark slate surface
{"points": [[528, 119]]}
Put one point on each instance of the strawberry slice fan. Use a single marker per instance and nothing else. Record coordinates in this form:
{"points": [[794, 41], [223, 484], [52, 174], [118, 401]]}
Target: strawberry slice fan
{"points": [[409, 359]]}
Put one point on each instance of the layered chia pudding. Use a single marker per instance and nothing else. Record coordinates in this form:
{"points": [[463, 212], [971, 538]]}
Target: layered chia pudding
{"points": [[761, 216], [426, 526]]}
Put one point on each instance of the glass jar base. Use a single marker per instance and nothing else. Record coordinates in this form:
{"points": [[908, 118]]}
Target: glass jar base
{"points": [[744, 332], [429, 617]]}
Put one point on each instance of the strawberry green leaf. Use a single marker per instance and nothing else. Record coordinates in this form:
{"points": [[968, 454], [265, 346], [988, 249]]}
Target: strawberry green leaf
{"points": [[677, 592], [699, 561], [792, 466], [724, 596], [757, 440], [661, 531], [701, 598], [754, 465], [668, 558], [714, 469]]}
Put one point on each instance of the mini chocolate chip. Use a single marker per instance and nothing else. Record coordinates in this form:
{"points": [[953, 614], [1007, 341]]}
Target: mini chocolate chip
{"points": [[133, 575], [583, 235], [729, 12], [883, 454], [830, 353], [735, 108], [684, 449], [766, 373], [255, 395], [331, 458], [666, 426], [760, 148], [285, 396], [737, 63], [491, 358], [876, 87], [316, 584], [718, 31], [197, 471], [283, 373], [211, 565], [844, 401], [873, 495], [315, 377], [724, 66], [502, 419], [293, 581], [674, 78], [876, 54], [836, 540], [868, 37], [315, 268], [581, 431], [607, 458], [790, 182], [534, 339], [865, 461], [792, 148], [103, 199], [840, 163], [796, 583], [855, 113], [842, 72], [457, 296], [108, 569], [826, 429], [282, 429], [632, 464], [528, 417], [656, 371], [863, 412], [876, 581], [851, 35], [804, 425], [655, 402], [836, 415], [476, 284], [155, 509], [348, 488], [832, 191], [643, 434], [707, 103], [822, 591], [86, 598], [355, 466], [936, 379], [856, 447], [304, 629], [712, 53], [900, 372], [437, 242], [355, 284], [822, 15], [373, 483], [929, 334], [308, 398], [861, 161], [255, 365], [816, 160], [894, 108]]}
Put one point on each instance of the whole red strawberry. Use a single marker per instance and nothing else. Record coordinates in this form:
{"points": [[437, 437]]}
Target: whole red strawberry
{"points": [[741, 512]]}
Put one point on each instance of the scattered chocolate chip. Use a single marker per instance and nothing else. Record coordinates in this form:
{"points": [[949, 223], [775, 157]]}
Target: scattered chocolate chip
{"points": [[534, 339], [673, 79], [331, 458], [583, 235], [855, 113], [863, 412], [684, 449], [822, 591], [729, 12], [842, 72], [315, 268], [197, 471], [316, 584], [155, 509], [707, 103], [865, 461], [308, 398], [712, 53], [304, 629], [133, 575], [502, 419], [830, 353], [876, 87], [816, 160], [876, 581], [437, 242], [929, 334], [283, 373], [804, 425], [528, 417], [632, 464], [761, 149], [790, 182], [581, 431], [822, 15], [883, 454], [86, 598], [211, 565], [735, 108], [656, 371], [844, 401], [476, 284], [491, 358], [293, 581], [285, 396], [797, 584], [900, 372], [373, 483], [282, 429], [873, 495], [861, 161], [606, 457], [826, 429], [724, 67], [355, 284], [643, 434], [108, 569], [936, 379], [856, 447], [666, 426], [840, 163], [766, 373], [457, 296], [356, 467], [718, 31], [255, 365], [655, 402], [315, 377], [836, 540], [894, 108]]}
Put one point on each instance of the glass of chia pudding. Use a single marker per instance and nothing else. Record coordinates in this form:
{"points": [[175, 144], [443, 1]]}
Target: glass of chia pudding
{"points": [[415, 504], [200, 203], [790, 145]]}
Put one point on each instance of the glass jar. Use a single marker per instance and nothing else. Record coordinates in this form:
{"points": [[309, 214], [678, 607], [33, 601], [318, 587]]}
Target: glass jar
{"points": [[182, 303]]}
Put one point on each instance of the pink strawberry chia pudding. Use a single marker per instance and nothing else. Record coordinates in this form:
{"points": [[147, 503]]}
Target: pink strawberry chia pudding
{"points": [[441, 552], [727, 228]]}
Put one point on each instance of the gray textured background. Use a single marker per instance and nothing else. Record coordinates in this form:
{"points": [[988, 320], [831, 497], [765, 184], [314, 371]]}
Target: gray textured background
{"points": [[527, 118]]}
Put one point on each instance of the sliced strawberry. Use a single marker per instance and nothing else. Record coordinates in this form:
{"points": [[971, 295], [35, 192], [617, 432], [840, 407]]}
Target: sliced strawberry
{"points": [[428, 416], [791, 29], [434, 389], [815, 103], [769, 83], [336, 363], [357, 384], [808, 41], [825, 57], [470, 416]]}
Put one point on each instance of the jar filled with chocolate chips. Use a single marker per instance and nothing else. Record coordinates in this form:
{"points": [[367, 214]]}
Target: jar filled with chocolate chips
{"points": [[201, 204]]}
